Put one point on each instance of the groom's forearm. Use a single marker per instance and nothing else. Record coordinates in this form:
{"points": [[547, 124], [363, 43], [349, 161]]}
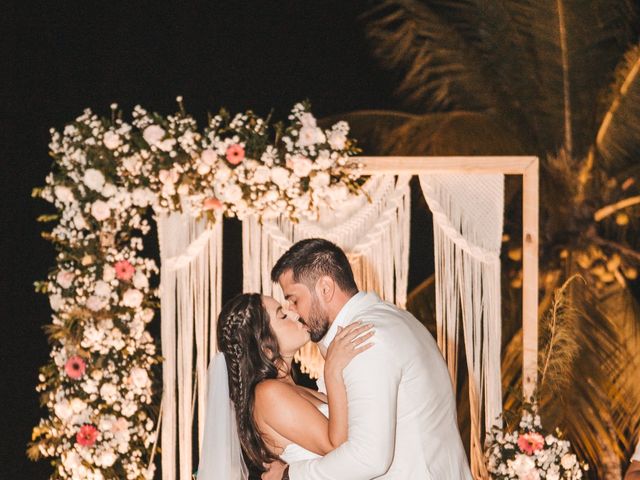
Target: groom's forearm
{"points": [[372, 386]]}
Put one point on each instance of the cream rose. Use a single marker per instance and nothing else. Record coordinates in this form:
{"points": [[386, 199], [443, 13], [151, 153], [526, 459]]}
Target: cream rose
{"points": [[153, 134], [262, 174], [301, 166], [208, 157], [280, 176], [94, 179], [100, 210], [139, 377], [140, 280], [132, 298], [111, 140], [64, 194]]}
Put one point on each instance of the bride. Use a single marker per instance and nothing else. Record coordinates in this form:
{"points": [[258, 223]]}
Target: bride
{"points": [[269, 416]]}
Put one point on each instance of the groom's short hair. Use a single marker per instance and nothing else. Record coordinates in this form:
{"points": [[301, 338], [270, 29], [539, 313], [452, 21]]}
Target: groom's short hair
{"points": [[313, 258]]}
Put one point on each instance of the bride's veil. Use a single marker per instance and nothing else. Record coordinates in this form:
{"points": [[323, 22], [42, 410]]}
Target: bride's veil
{"points": [[221, 454]]}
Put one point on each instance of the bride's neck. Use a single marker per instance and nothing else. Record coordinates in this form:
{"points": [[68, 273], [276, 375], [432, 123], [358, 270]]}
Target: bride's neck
{"points": [[284, 369]]}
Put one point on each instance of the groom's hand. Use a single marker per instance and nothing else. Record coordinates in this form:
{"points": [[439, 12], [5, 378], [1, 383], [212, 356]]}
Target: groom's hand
{"points": [[275, 471]]}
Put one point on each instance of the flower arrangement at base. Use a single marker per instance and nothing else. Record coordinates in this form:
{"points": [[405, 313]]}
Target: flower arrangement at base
{"points": [[527, 454], [99, 386]]}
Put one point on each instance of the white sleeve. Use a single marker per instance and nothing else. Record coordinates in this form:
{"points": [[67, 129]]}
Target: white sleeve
{"points": [[636, 454], [372, 379]]}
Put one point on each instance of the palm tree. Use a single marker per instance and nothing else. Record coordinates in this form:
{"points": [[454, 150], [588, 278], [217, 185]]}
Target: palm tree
{"points": [[559, 79]]}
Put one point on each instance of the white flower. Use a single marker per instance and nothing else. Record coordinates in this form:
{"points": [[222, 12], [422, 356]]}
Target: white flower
{"points": [[153, 134], [208, 157], [132, 298], [203, 169], [553, 474], [111, 140], [167, 144], [106, 458], [90, 387], [261, 174], [71, 460], [337, 139], [102, 289], [100, 210], [307, 119], [142, 197], [139, 377], [310, 136], [222, 173], [324, 162], [232, 193], [128, 409], [77, 405], [63, 410], [280, 176], [95, 303], [108, 273], [568, 461], [109, 392], [56, 302], [93, 179], [522, 465], [132, 165], [147, 315], [65, 278], [79, 222], [64, 194], [140, 280], [320, 180], [109, 190], [301, 165], [168, 176]]}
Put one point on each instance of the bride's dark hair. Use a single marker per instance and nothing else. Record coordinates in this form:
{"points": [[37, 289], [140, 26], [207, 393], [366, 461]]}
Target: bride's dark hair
{"points": [[251, 351]]}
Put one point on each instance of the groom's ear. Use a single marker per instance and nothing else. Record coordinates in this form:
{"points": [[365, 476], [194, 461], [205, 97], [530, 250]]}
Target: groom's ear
{"points": [[325, 288]]}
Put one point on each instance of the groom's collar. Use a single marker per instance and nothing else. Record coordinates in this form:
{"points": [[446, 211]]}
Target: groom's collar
{"points": [[345, 316]]}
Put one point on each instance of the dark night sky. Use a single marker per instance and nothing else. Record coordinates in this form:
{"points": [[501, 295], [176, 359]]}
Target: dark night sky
{"points": [[60, 57]]}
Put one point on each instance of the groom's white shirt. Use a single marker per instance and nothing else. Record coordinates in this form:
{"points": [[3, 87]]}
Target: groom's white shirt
{"points": [[402, 418]]}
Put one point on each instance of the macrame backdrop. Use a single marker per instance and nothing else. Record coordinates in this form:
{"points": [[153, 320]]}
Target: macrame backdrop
{"points": [[467, 223], [374, 234], [190, 295]]}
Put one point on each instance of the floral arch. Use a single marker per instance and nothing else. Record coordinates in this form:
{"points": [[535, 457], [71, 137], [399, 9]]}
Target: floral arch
{"points": [[285, 182]]}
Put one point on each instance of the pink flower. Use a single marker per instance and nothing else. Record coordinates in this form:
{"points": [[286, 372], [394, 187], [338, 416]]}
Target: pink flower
{"points": [[87, 435], [124, 270], [212, 203], [75, 367], [235, 154], [530, 442]]}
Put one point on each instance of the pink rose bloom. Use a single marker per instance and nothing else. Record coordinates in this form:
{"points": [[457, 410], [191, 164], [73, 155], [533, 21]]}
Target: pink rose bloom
{"points": [[124, 270], [530, 442], [87, 435], [235, 154], [212, 203], [75, 367]]}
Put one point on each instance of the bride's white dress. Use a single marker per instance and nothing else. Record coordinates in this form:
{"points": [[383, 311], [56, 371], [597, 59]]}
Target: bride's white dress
{"points": [[294, 452]]}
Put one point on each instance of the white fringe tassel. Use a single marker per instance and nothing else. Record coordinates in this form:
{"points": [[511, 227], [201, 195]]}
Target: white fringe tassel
{"points": [[190, 295], [467, 218]]}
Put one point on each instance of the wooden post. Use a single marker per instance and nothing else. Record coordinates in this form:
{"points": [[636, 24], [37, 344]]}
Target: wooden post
{"points": [[530, 214]]}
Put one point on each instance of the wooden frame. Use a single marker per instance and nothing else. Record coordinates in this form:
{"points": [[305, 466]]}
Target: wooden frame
{"points": [[517, 165]]}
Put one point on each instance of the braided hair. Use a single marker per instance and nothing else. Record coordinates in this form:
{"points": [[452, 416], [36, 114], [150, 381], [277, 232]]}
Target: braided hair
{"points": [[251, 351]]}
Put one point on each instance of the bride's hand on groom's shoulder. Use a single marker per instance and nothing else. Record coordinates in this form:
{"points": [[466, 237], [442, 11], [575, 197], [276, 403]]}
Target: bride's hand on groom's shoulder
{"points": [[349, 342]]}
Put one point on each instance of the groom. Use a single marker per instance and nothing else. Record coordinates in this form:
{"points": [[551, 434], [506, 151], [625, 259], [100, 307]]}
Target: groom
{"points": [[402, 415]]}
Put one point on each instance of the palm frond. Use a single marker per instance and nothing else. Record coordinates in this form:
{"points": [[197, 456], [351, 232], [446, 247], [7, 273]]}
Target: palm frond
{"points": [[618, 138], [440, 69], [596, 409], [557, 334]]}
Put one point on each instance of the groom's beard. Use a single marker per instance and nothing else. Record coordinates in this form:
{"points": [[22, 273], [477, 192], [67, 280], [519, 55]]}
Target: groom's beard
{"points": [[317, 322]]}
